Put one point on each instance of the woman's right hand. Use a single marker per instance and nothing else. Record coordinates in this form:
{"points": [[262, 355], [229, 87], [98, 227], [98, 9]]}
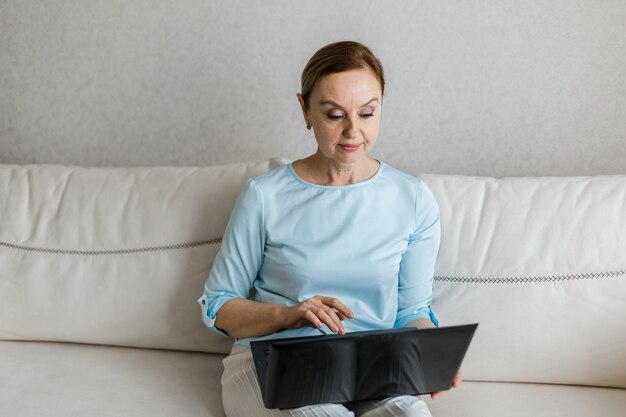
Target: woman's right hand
{"points": [[317, 311]]}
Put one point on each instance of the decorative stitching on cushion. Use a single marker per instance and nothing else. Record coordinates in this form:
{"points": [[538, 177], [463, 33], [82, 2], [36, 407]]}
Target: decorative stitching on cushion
{"points": [[522, 280], [464, 280], [114, 251]]}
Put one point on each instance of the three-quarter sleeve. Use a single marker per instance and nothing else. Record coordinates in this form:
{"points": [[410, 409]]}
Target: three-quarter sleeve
{"points": [[417, 267], [238, 261]]}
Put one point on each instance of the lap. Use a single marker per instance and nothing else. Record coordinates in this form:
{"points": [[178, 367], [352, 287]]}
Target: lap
{"points": [[241, 396], [405, 405]]}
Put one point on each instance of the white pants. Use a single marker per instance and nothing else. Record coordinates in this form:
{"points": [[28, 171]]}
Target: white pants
{"points": [[241, 396]]}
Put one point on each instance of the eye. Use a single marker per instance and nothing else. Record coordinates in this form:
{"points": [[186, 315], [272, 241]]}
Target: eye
{"points": [[367, 112], [336, 117]]}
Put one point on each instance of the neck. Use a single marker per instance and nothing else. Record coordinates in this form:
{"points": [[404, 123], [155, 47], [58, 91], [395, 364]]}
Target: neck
{"points": [[326, 171]]}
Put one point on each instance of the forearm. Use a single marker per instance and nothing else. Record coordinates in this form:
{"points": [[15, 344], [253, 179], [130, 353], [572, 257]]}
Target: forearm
{"points": [[421, 324], [241, 317]]}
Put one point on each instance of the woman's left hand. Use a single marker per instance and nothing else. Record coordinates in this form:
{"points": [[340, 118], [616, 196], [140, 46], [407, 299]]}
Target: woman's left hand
{"points": [[455, 384]]}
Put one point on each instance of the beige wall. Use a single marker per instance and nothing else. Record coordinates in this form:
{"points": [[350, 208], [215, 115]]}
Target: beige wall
{"points": [[498, 88]]}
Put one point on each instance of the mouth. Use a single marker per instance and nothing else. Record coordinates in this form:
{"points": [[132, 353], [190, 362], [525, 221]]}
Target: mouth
{"points": [[350, 148]]}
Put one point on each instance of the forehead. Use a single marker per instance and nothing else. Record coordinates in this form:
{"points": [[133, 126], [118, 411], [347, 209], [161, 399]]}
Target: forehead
{"points": [[357, 83]]}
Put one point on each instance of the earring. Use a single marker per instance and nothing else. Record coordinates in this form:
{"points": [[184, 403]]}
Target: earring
{"points": [[308, 126]]}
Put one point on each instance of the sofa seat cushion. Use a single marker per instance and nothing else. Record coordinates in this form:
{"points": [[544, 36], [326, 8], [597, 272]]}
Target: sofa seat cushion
{"points": [[499, 399], [65, 379], [50, 379]]}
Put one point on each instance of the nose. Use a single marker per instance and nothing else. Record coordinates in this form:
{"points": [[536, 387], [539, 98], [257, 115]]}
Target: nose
{"points": [[349, 128]]}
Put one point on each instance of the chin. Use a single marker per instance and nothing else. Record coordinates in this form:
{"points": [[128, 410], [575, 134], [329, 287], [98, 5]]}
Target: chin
{"points": [[352, 156]]}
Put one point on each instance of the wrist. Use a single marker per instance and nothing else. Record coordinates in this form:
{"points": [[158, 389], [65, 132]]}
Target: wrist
{"points": [[280, 316], [421, 323]]}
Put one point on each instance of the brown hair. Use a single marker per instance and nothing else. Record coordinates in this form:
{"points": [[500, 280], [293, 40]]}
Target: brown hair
{"points": [[339, 57]]}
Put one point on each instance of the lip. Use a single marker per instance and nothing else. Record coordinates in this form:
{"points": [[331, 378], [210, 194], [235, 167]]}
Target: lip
{"points": [[350, 148]]}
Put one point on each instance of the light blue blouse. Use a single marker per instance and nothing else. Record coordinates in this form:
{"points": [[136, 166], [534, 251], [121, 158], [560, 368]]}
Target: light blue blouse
{"points": [[372, 245]]}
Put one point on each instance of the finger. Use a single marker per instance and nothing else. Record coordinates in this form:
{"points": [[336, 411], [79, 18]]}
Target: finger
{"points": [[315, 312], [338, 305], [438, 394], [313, 319], [339, 314], [333, 315], [457, 379], [326, 319]]}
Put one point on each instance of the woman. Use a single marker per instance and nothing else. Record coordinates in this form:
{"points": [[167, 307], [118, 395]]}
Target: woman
{"points": [[335, 242]]}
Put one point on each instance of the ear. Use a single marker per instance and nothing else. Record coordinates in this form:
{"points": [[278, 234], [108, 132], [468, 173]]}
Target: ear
{"points": [[305, 111]]}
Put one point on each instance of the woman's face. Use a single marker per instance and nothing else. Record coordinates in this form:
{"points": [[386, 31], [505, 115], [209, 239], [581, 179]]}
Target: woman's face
{"points": [[344, 111]]}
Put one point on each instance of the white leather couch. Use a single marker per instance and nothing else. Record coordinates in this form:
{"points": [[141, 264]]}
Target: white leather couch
{"points": [[100, 269]]}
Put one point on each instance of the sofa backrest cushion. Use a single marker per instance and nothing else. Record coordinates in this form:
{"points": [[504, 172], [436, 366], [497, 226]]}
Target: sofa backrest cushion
{"points": [[114, 256], [540, 263]]}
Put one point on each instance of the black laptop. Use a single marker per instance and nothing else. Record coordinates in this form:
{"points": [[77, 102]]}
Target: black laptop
{"points": [[299, 371]]}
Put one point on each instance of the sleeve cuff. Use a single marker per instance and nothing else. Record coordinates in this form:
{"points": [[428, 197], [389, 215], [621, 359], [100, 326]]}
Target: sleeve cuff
{"points": [[210, 309], [425, 313]]}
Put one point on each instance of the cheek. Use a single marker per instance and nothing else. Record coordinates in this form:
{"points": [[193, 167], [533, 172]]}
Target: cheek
{"points": [[326, 135], [371, 132], [329, 130]]}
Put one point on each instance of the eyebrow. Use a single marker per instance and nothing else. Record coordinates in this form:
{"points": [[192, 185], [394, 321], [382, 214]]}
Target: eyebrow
{"points": [[323, 102]]}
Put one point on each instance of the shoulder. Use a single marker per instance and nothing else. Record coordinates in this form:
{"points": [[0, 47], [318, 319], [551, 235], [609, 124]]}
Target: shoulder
{"points": [[401, 179], [266, 184], [411, 185], [271, 179], [273, 174], [253, 186]]}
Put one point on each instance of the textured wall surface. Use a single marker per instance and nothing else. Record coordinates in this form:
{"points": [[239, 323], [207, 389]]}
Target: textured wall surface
{"points": [[488, 87]]}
